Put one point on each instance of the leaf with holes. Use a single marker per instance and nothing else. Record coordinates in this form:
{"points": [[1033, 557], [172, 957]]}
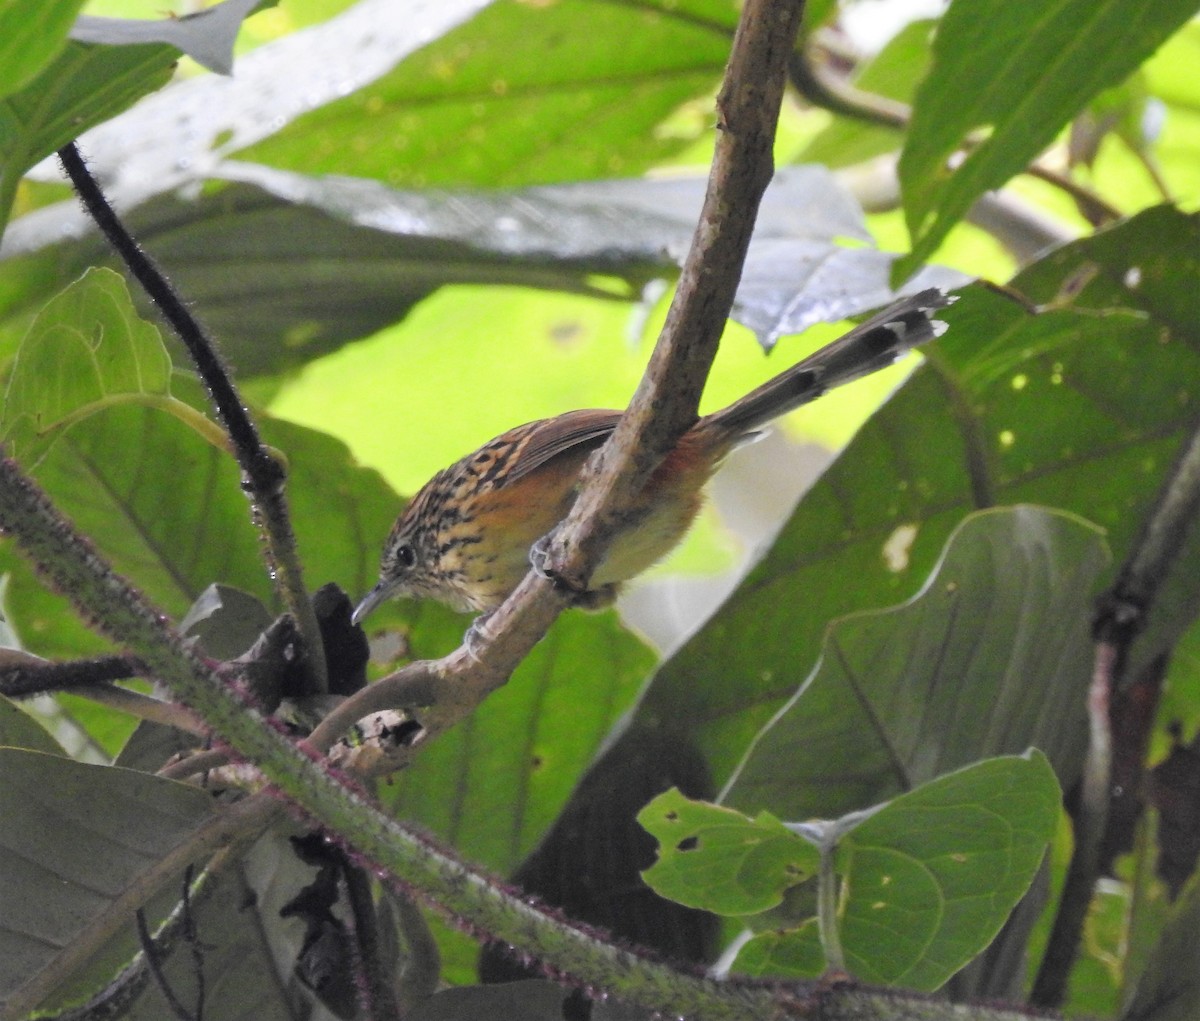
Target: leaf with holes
{"points": [[929, 878], [718, 859]]}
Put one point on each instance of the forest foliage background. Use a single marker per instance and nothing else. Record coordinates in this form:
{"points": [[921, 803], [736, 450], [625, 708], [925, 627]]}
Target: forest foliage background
{"points": [[409, 233]]}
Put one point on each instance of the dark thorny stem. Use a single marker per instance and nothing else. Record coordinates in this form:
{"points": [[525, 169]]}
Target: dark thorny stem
{"points": [[265, 474]]}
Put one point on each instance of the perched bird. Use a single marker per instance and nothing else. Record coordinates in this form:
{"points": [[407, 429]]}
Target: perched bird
{"points": [[465, 538]]}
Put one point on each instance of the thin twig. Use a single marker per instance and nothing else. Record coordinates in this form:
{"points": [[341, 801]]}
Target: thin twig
{"points": [[265, 474], [377, 976], [150, 953], [38, 677], [829, 92]]}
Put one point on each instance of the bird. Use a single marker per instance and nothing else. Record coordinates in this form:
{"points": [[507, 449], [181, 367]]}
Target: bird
{"points": [[465, 539]]}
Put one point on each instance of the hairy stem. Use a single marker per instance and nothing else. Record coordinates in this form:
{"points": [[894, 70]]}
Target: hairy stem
{"points": [[264, 471]]}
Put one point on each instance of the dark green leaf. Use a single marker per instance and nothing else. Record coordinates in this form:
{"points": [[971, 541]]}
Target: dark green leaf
{"points": [[1168, 989], [20, 730], [528, 744], [1081, 407], [248, 949], [255, 257], [111, 824], [1017, 74], [905, 694], [225, 621]]}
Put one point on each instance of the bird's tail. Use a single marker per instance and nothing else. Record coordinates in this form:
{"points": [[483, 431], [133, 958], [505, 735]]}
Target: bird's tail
{"points": [[871, 346]]}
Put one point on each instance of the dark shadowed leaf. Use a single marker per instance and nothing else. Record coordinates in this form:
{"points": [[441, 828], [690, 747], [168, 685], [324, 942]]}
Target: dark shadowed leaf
{"points": [[1168, 989], [1080, 407], [990, 658], [256, 257], [528, 744], [20, 730], [120, 823]]}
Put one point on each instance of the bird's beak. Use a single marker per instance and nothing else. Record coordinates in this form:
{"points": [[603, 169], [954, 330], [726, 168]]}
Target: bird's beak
{"points": [[371, 600]]}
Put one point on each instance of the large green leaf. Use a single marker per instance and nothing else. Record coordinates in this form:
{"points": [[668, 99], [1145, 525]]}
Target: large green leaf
{"points": [[905, 694], [167, 509], [29, 40], [110, 825], [85, 351], [494, 784], [1017, 73], [1078, 407], [159, 502], [520, 94], [84, 85]]}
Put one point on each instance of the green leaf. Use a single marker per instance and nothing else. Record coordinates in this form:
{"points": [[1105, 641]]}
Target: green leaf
{"points": [[20, 730], [1082, 408], [110, 825], [515, 750], [1168, 989], [719, 860], [521, 94], [83, 86], [973, 841], [153, 496], [86, 350], [1017, 73], [929, 878], [905, 694], [30, 39]]}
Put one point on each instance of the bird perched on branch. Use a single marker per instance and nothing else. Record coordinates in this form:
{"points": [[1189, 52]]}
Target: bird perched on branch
{"points": [[465, 538]]}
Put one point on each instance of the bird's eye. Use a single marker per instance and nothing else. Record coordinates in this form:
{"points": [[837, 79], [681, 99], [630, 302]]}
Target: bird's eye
{"points": [[406, 555]]}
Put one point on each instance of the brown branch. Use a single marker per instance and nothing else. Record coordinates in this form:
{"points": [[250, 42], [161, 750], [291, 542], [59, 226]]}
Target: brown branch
{"points": [[667, 399], [661, 410]]}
